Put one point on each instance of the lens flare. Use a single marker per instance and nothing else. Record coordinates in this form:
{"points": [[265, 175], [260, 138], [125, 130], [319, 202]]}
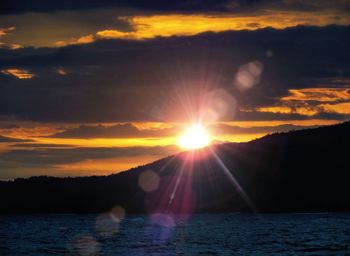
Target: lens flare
{"points": [[194, 137]]}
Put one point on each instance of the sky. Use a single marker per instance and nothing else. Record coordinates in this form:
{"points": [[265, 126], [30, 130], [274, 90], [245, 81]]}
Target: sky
{"points": [[96, 87]]}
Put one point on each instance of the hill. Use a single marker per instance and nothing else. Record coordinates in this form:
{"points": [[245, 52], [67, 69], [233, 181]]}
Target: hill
{"points": [[298, 171]]}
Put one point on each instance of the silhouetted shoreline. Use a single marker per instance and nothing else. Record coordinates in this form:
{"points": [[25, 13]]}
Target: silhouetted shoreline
{"points": [[299, 171]]}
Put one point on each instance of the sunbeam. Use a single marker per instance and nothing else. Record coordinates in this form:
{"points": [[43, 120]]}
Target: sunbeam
{"points": [[234, 182]]}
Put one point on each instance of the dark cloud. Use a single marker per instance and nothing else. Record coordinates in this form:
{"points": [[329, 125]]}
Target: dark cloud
{"points": [[41, 145], [161, 79], [23, 6], [266, 116], [9, 139], [57, 161], [130, 131], [59, 156], [61, 28], [116, 131], [8, 126], [229, 129], [312, 5]]}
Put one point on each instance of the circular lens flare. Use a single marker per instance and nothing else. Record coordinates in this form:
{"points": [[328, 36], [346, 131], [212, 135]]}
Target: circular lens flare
{"points": [[194, 137]]}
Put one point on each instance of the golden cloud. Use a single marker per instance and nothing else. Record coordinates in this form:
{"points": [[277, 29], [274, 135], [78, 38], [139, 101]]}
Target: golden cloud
{"points": [[41, 132], [81, 40], [85, 39], [15, 46], [340, 108], [307, 102], [318, 94], [185, 25], [150, 26], [5, 31], [12, 46], [18, 73], [305, 111], [109, 34]]}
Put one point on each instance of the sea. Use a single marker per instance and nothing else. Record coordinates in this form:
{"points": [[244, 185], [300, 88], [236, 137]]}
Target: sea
{"points": [[162, 234]]}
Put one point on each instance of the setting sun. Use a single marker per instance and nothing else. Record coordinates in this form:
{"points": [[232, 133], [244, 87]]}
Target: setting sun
{"points": [[194, 137]]}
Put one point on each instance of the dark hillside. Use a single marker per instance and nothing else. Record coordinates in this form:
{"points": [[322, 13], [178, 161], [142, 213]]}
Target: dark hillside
{"points": [[299, 171]]}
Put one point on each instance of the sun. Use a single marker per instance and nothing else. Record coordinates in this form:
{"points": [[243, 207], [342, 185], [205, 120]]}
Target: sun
{"points": [[194, 137]]}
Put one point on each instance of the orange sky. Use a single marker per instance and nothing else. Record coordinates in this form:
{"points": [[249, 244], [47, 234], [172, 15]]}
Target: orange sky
{"points": [[100, 89], [108, 165]]}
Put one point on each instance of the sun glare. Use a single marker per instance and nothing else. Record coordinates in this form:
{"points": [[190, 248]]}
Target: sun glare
{"points": [[194, 137]]}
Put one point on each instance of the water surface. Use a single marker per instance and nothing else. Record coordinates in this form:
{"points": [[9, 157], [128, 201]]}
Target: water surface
{"points": [[202, 234]]}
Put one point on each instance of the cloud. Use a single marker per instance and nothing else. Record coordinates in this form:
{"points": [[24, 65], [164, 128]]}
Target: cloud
{"points": [[318, 94], [41, 145], [20, 6], [116, 131], [184, 6], [151, 26], [62, 28], [112, 34], [72, 23], [11, 46], [165, 79], [10, 139], [217, 130], [71, 155], [224, 129], [304, 111], [308, 101], [76, 161], [81, 40], [312, 5], [339, 108], [18, 73], [5, 31], [170, 25], [75, 23], [85, 39]]}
